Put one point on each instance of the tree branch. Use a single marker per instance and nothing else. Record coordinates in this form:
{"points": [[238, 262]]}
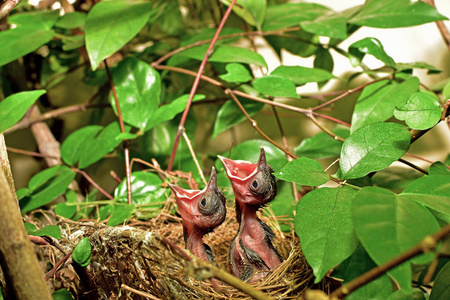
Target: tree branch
{"points": [[7, 7], [196, 83], [428, 244]]}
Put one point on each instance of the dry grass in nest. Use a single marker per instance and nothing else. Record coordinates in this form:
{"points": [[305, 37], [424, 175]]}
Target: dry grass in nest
{"points": [[139, 257]]}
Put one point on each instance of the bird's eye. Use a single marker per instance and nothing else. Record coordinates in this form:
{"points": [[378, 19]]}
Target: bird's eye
{"points": [[255, 184], [203, 202]]}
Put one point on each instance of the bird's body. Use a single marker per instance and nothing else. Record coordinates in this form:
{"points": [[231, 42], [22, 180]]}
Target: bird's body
{"points": [[201, 212], [252, 253]]}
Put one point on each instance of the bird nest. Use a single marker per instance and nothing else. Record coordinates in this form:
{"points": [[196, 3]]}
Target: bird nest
{"points": [[147, 260]]}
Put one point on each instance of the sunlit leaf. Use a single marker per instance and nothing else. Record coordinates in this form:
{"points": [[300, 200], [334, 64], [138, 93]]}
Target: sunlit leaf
{"points": [[82, 252], [422, 111], [302, 75], [304, 171], [236, 73], [432, 191], [14, 107], [35, 19], [370, 46], [146, 189], [372, 148], [332, 25], [377, 101], [275, 86], [323, 223], [388, 225], [71, 20], [291, 14], [73, 146], [138, 88], [322, 145], [398, 13], [112, 24], [438, 168]]}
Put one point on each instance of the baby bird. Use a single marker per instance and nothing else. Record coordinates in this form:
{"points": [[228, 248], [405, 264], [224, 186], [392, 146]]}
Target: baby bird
{"points": [[201, 212], [252, 253]]}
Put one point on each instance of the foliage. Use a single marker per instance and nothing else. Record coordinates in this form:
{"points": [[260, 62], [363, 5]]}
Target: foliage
{"points": [[361, 219]]}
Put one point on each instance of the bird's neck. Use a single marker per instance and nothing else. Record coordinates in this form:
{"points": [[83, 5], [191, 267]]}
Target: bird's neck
{"points": [[194, 243]]}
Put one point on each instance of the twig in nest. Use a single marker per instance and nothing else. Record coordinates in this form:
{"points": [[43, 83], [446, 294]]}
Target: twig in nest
{"points": [[137, 292]]}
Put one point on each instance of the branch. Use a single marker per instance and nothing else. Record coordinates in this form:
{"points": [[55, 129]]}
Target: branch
{"points": [[7, 7], [196, 83], [441, 26], [5, 167], [427, 244], [191, 150], [91, 181], [122, 129]]}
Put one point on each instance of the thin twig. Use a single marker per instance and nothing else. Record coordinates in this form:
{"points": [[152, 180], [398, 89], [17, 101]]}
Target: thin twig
{"points": [[194, 157], [195, 85], [427, 244], [441, 26], [137, 292], [349, 92], [410, 164], [56, 267], [29, 153], [324, 129], [91, 181], [122, 129], [255, 125]]}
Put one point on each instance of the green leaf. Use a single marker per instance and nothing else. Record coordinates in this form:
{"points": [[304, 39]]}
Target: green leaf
{"points": [[323, 60], [20, 41], [138, 88], [332, 25], [226, 54], [230, 115], [95, 147], [431, 191], [46, 186], [73, 146], [252, 11], [372, 148], [49, 230], [62, 294], [112, 24], [120, 213], [322, 145], [275, 86], [356, 265], [64, 210], [377, 101], [370, 46], [323, 223], [302, 75], [71, 20], [249, 151], [388, 225], [422, 111], [169, 18], [168, 111], [417, 294], [14, 107], [82, 252], [306, 44], [145, 187], [304, 171], [393, 14], [438, 168], [441, 288], [403, 67], [284, 204], [291, 14], [236, 73], [446, 91], [35, 19]]}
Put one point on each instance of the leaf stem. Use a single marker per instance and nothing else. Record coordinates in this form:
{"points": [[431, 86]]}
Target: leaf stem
{"points": [[91, 181], [122, 129], [196, 83], [194, 157], [427, 244]]}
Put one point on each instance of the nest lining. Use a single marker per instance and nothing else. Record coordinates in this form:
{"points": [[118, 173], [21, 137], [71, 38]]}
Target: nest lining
{"points": [[138, 256]]}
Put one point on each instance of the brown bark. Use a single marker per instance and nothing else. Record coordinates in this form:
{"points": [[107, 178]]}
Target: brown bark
{"points": [[23, 274], [6, 168]]}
